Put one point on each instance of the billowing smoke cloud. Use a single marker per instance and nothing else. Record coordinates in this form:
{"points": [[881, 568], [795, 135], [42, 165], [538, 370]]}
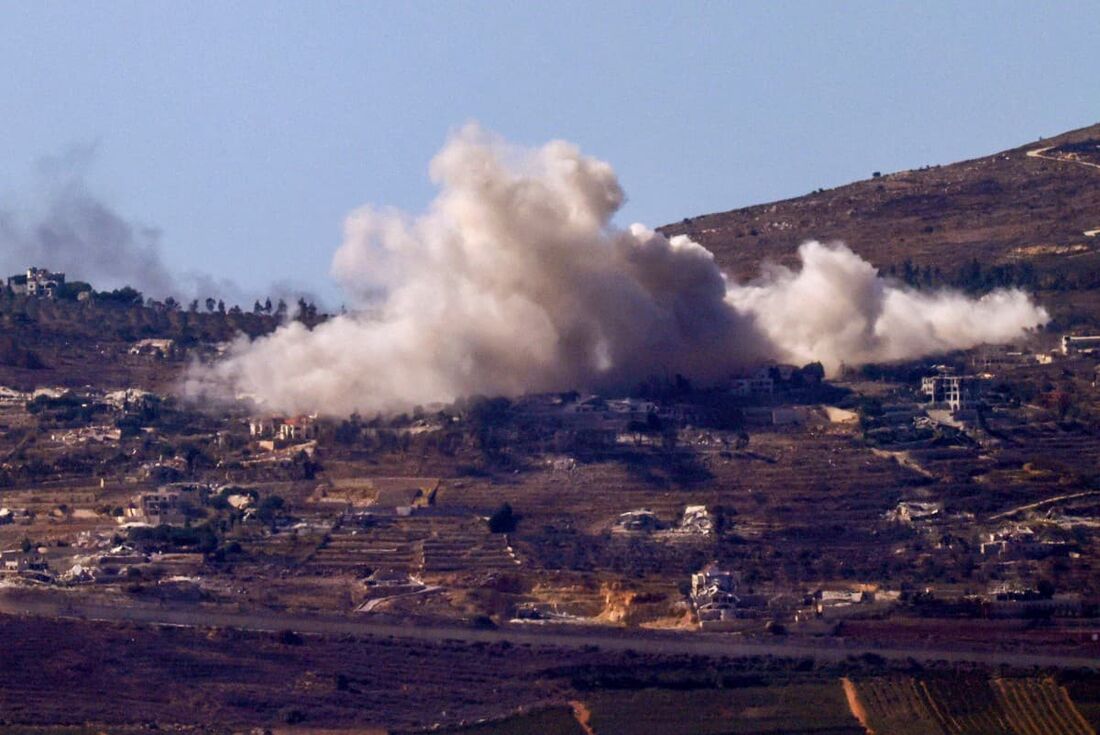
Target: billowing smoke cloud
{"points": [[516, 281], [838, 310]]}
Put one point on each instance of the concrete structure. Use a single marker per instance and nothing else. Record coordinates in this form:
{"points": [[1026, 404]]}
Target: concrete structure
{"points": [[637, 521], [714, 594], [240, 501], [127, 397], [908, 511], [958, 392], [635, 408], [14, 561], [990, 358], [37, 282], [757, 384], [1080, 345], [296, 428], [154, 347], [587, 404], [162, 507], [697, 520], [14, 515], [261, 428]]}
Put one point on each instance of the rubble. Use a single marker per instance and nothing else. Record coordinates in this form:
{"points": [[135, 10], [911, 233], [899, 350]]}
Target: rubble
{"points": [[696, 521], [908, 512], [714, 594], [637, 521]]}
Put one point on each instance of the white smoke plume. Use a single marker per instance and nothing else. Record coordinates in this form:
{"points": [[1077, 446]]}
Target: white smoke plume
{"points": [[838, 310], [516, 281]]}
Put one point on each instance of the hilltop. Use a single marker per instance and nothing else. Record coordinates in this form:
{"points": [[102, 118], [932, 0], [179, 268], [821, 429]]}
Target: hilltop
{"points": [[1032, 212]]}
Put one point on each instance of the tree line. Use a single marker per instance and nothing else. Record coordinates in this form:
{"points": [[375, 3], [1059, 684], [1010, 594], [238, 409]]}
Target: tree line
{"points": [[974, 277]]}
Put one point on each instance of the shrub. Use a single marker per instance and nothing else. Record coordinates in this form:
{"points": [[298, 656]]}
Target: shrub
{"points": [[503, 520], [290, 638]]}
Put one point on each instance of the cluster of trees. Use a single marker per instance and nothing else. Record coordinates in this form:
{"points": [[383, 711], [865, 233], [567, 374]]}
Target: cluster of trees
{"points": [[971, 277], [974, 277], [200, 537], [503, 519], [487, 425], [306, 312], [72, 291], [126, 315], [68, 408], [131, 315]]}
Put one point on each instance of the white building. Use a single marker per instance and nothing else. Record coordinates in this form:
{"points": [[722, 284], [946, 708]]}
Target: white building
{"points": [[37, 282], [697, 520], [161, 507], [16, 560], [959, 392], [298, 428], [295, 428], [1080, 345], [154, 347]]}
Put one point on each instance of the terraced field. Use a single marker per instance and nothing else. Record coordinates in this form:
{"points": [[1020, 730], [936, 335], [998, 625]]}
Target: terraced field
{"points": [[970, 706], [389, 544], [817, 493], [423, 543], [819, 709], [549, 721]]}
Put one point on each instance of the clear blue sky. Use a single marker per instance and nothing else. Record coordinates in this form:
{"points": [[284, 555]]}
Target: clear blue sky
{"points": [[247, 130]]}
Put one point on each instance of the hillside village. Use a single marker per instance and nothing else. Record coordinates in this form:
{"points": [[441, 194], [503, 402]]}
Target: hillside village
{"points": [[947, 502], [962, 487]]}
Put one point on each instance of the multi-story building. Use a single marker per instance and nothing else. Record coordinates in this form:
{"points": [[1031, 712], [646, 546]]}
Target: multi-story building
{"points": [[958, 392], [1085, 344], [37, 282]]}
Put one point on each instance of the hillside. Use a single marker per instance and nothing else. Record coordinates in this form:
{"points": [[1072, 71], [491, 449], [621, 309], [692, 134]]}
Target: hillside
{"points": [[1038, 204]]}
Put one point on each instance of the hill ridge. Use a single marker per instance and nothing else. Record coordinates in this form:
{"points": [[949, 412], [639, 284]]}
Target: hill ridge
{"points": [[1005, 207]]}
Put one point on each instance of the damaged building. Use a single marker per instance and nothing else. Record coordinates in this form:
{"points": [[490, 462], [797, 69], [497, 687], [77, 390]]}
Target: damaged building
{"points": [[696, 521], [956, 392], [637, 521], [1080, 345], [37, 282], [714, 594]]}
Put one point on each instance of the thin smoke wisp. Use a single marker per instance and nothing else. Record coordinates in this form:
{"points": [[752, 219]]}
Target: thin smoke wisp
{"points": [[63, 225], [67, 228]]}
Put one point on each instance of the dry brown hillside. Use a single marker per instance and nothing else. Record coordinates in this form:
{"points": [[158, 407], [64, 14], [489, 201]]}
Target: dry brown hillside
{"points": [[1004, 209]]}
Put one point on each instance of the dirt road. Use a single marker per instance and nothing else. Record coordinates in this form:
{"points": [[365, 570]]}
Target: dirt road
{"points": [[52, 605], [1041, 503], [1041, 153]]}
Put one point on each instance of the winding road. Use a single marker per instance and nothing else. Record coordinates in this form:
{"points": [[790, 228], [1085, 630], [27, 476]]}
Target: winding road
{"points": [[1039, 153]]}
